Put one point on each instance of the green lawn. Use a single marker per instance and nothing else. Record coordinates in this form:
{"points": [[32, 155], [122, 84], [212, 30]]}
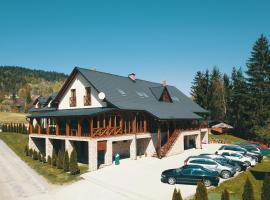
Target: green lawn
{"points": [[8, 117], [235, 185], [226, 138], [17, 143]]}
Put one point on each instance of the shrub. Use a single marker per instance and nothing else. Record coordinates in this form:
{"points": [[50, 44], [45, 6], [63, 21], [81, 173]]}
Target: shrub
{"points": [[225, 195], [35, 155], [248, 193], [73, 165], [174, 197], [31, 153], [54, 158], [43, 158], [39, 157], [266, 188], [59, 162], [49, 160], [66, 162], [26, 150], [201, 192]]}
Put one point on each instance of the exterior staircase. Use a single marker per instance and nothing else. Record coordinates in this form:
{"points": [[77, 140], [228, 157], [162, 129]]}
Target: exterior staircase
{"points": [[166, 147]]}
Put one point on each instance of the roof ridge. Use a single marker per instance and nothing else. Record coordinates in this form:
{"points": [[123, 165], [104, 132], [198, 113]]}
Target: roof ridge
{"points": [[119, 75]]}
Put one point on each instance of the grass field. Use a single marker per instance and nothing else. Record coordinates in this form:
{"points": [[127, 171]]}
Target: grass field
{"points": [[226, 138], [17, 143], [8, 117]]}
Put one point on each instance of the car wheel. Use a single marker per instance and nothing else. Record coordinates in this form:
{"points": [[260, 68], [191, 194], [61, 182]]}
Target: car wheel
{"points": [[248, 163], [238, 168], [207, 183], [225, 174], [171, 181]]}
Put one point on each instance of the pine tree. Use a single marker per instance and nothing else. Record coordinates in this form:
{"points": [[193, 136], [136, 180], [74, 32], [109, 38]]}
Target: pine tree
{"points": [[227, 95], [248, 193], [174, 197], [35, 155], [26, 150], [259, 83], [66, 162], [225, 195], [49, 160], [201, 192], [216, 100], [179, 196], [54, 158], [266, 188], [59, 162], [73, 165]]}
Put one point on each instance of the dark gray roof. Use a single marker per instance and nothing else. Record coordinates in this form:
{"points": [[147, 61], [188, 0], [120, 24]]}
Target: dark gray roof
{"points": [[138, 95], [157, 91], [71, 112]]}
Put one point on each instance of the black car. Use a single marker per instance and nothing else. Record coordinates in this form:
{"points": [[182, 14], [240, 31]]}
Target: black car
{"points": [[240, 166], [190, 174]]}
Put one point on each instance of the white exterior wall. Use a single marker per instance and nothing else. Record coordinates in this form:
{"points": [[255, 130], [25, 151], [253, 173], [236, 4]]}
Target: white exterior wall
{"points": [[79, 83]]}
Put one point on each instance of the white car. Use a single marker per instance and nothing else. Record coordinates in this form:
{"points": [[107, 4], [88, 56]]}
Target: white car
{"points": [[232, 155]]}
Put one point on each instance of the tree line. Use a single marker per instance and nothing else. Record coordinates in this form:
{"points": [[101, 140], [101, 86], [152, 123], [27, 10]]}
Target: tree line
{"points": [[14, 128], [241, 99]]}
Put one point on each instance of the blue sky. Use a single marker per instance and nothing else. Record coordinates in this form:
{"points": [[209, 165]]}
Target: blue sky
{"points": [[158, 40]]}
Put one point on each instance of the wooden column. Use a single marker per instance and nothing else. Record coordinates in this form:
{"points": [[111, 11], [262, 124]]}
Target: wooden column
{"points": [[39, 125], [168, 131], [159, 140], [47, 126], [91, 126], [110, 121], [121, 122], [98, 121], [104, 121], [31, 126], [67, 127], [114, 125], [144, 124], [134, 123], [129, 126], [79, 127], [56, 126]]}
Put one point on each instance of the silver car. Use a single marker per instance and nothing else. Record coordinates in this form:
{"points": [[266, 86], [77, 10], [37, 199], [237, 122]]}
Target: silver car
{"points": [[225, 170]]}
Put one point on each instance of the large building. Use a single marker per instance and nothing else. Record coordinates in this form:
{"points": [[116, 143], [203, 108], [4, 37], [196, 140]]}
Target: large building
{"points": [[101, 114]]}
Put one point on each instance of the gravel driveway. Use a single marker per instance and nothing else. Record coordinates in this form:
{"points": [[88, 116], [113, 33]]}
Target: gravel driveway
{"points": [[17, 179]]}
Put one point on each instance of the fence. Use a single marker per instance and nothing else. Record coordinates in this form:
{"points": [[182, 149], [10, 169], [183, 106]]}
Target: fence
{"points": [[14, 128]]}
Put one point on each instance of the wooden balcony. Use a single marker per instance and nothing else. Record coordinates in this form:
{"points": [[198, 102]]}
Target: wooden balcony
{"points": [[72, 101], [103, 132], [87, 100]]}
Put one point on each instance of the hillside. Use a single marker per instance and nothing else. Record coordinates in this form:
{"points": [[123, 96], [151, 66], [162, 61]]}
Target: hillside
{"points": [[19, 86]]}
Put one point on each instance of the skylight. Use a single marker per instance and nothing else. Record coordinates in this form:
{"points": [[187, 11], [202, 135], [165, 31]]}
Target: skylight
{"points": [[122, 92], [142, 94], [174, 98]]}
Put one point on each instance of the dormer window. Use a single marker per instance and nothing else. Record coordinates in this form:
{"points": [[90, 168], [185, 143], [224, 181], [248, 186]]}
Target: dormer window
{"points": [[165, 96], [87, 97], [72, 99]]}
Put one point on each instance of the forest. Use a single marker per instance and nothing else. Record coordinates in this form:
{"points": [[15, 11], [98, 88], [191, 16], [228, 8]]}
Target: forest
{"points": [[241, 98]]}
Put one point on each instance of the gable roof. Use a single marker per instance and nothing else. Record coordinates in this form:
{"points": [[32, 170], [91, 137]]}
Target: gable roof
{"points": [[125, 94]]}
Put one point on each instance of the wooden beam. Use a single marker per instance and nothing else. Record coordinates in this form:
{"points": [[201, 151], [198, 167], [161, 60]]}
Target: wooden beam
{"points": [[79, 127], [168, 131], [98, 121], [39, 126], [31, 126], [144, 124], [110, 121], [121, 122], [134, 123], [104, 121], [57, 126], [91, 126], [67, 127], [159, 141], [47, 126], [114, 125]]}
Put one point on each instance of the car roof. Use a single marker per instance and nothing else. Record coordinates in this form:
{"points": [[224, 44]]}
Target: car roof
{"points": [[230, 151]]}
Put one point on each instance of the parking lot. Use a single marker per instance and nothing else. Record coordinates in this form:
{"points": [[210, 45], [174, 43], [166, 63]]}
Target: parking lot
{"points": [[132, 179]]}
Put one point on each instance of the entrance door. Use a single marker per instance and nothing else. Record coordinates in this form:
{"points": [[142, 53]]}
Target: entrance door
{"points": [[101, 148]]}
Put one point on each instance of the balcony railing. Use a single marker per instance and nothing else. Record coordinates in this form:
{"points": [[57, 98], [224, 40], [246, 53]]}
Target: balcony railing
{"points": [[87, 100], [72, 101]]}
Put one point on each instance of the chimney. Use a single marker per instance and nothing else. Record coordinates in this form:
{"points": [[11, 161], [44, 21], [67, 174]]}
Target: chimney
{"points": [[132, 76], [164, 83], [93, 68]]}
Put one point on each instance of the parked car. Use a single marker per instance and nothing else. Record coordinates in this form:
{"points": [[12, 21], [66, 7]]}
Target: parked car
{"points": [[255, 150], [225, 170], [237, 148], [190, 174], [239, 165], [237, 156]]}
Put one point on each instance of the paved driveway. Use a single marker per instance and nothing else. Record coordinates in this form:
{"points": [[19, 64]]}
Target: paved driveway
{"points": [[132, 180], [17, 179]]}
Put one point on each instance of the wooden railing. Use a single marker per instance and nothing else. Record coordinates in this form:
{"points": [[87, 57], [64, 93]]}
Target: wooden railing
{"points": [[166, 147], [87, 100], [72, 101], [103, 132]]}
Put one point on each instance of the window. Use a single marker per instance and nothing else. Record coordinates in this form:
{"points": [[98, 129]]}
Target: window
{"points": [[72, 99], [165, 97], [226, 154], [87, 97], [198, 161], [140, 94], [186, 171], [208, 162], [174, 98], [197, 172]]}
